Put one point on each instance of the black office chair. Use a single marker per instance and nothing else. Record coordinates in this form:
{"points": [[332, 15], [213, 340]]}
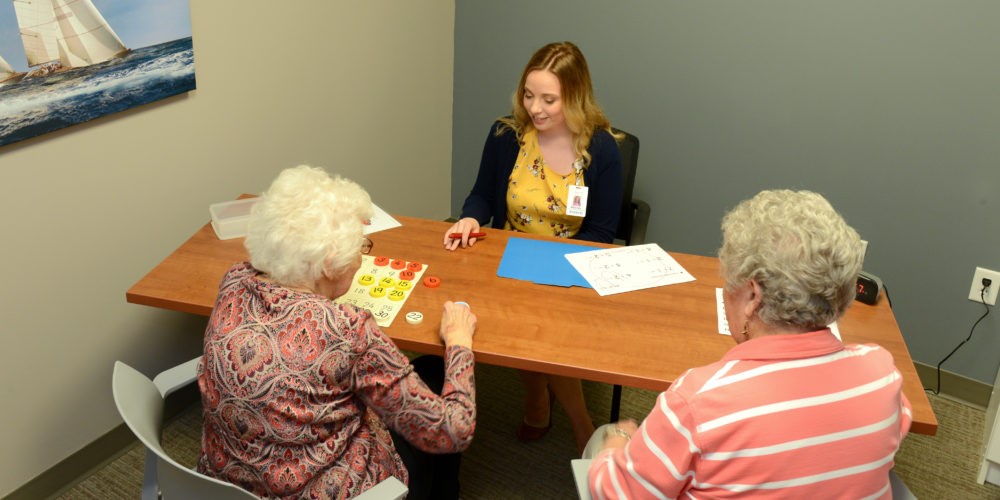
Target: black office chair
{"points": [[631, 223], [634, 213]]}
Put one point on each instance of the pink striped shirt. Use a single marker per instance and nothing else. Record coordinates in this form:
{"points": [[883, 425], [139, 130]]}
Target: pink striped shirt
{"points": [[779, 416]]}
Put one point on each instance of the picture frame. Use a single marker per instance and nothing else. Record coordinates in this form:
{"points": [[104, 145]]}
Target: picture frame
{"points": [[64, 62]]}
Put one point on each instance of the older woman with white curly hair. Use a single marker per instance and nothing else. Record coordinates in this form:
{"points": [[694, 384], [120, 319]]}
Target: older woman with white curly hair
{"points": [[790, 411], [304, 397]]}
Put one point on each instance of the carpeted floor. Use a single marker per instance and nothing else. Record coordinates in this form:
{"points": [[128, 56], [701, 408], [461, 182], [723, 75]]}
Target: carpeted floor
{"points": [[497, 466]]}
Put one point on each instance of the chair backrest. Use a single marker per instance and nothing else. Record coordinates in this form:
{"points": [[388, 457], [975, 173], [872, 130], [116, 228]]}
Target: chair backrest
{"points": [[899, 489], [389, 489], [140, 405], [629, 147], [581, 466]]}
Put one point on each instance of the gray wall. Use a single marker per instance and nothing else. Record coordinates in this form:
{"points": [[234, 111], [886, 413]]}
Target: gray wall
{"points": [[891, 109]]}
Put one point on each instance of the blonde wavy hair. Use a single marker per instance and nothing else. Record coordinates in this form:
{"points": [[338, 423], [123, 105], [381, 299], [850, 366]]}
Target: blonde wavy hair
{"points": [[583, 115], [307, 222], [800, 251]]}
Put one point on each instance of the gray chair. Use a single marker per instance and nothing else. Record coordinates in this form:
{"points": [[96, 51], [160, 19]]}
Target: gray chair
{"points": [[140, 404], [580, 467], [899, 489]]}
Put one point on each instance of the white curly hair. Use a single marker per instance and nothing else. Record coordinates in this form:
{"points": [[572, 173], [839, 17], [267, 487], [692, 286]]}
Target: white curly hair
{"points": [[800, 251], [307, 222]]}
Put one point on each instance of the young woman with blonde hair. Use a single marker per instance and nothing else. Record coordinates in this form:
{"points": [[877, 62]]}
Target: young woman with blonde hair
{"points": [[553, 168]]}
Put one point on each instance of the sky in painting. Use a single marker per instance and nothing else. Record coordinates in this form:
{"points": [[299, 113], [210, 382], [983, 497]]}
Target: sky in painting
{"points": [[139, 23]]}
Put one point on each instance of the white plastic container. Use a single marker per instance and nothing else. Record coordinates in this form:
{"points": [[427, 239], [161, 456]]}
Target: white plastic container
{"points": [[230, 218]]}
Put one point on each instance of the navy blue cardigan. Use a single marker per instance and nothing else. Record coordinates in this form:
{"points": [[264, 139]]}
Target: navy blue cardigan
{"points": [[603, 177]]}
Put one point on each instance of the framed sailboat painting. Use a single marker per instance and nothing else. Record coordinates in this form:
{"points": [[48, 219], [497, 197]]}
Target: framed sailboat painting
{"points": [[64, 62]]}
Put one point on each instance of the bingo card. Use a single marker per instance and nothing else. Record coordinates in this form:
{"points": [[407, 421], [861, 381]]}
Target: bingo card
{"points": [[382, 285]]}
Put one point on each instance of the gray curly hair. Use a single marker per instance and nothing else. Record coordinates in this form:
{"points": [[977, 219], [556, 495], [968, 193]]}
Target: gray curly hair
{"points": [[800, 251], [307, 221]]}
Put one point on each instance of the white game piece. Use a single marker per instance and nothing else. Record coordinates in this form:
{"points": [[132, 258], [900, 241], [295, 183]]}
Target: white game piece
{"points": [[414, 318]]}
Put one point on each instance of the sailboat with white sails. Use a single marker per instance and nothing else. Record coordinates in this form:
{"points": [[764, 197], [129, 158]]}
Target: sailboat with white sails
{"points": [[7, 73], [63, 34]]}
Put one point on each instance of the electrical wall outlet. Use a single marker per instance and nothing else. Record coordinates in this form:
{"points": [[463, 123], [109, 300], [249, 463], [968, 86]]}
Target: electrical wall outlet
{"points": [[975, 293]]}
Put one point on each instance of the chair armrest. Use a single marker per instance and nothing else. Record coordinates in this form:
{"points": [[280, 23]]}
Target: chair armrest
{"points": [[639, 222], [389, 489], [899, 489], [177, 377], [580, 468]]}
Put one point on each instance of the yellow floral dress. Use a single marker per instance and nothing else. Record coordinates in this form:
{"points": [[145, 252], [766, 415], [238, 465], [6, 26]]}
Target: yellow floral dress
{"points": [[536, 196]]}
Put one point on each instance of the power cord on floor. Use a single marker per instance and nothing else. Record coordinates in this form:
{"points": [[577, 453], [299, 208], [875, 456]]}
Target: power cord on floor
{"points": [[982, 297]]}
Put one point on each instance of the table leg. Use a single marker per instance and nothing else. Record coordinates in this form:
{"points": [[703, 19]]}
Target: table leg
{"points": [[616, 401]]}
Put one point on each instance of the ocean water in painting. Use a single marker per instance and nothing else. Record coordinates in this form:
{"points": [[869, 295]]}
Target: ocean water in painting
{"points": [[38, 105]]}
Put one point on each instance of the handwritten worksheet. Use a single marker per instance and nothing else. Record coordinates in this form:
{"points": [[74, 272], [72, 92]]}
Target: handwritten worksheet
{"points": [[625, 269]]}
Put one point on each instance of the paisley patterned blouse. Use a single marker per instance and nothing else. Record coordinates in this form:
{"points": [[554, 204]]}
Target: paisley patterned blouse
{"points": [[298, 393], [536, 196]]}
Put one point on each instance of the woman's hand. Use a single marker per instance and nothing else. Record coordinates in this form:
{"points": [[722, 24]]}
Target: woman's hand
{"points": [[464, 227], [458, 324], [620, 434]]}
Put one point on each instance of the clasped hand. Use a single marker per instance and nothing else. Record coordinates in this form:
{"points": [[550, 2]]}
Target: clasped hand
{"points": [[458, 325]]}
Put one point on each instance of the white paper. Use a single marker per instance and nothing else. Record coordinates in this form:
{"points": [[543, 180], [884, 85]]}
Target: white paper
{"points": [[625, 269], [380, 221], [724, 324], [720, 308]]}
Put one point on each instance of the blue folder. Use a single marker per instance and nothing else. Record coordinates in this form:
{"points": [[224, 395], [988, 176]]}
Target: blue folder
{"points": [[541, 262]]}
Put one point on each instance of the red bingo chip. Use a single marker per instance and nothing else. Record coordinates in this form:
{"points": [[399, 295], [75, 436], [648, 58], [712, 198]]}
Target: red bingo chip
{"points": [[432, 282], [406, 274], [414, 266], [381, 260], [398, 264]]}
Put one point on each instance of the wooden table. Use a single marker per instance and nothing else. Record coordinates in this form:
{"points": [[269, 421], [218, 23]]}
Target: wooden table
{"points": [[642, 339]]}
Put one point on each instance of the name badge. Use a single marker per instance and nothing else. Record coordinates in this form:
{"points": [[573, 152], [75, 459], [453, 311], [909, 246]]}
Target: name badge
{"points": [[576, 201]]}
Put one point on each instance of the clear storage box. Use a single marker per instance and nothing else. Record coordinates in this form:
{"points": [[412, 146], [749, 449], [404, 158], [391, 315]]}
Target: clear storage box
{"points": [[230, 218]]}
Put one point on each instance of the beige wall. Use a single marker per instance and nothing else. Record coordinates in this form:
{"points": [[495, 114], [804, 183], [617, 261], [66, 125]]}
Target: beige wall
{"points": [[361, 88]]}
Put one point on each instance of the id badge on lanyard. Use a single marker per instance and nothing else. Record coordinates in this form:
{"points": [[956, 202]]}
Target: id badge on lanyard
{"points": [[576, 195]]}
